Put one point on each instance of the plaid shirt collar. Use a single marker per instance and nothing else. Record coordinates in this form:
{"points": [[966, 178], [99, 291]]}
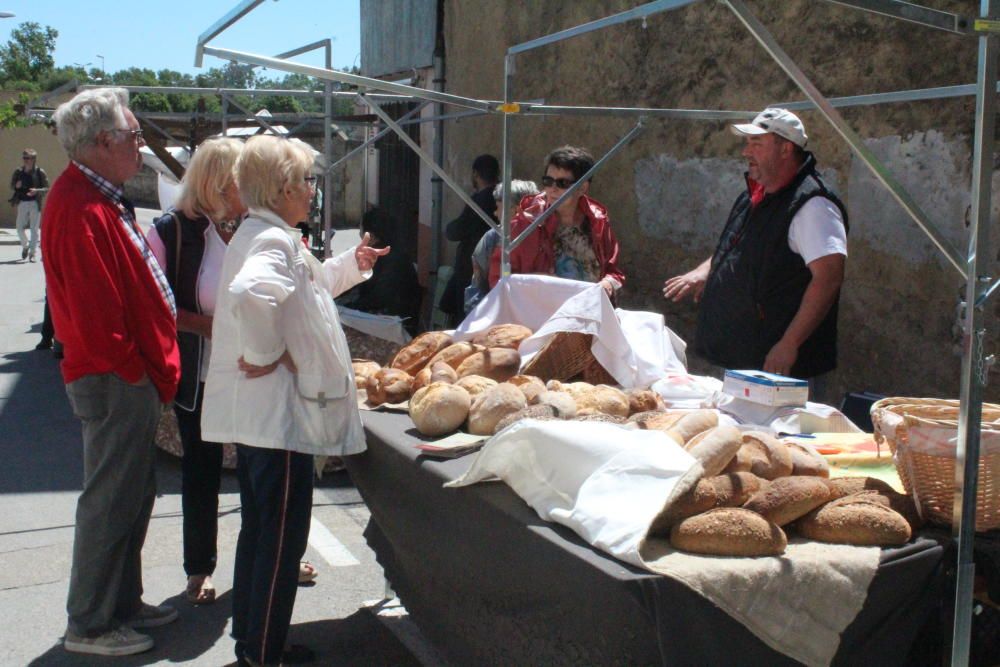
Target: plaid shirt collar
{"points": [[115, 193]]}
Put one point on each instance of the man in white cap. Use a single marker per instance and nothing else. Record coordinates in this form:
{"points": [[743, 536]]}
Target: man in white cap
{"points": [[770, 291]]}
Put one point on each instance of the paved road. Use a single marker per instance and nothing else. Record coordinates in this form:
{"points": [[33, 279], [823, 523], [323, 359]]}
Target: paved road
{"points": [[40, 478]]}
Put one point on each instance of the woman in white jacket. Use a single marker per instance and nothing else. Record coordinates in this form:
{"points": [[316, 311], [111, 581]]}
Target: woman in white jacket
{"points": [[280, 383]]}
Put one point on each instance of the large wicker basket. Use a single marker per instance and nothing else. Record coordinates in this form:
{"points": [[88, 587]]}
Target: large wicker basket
{"points": [[928, 472], [567, 356]]}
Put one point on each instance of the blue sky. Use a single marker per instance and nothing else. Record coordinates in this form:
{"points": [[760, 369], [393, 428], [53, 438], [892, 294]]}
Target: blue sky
{"points": [[161, 34]]}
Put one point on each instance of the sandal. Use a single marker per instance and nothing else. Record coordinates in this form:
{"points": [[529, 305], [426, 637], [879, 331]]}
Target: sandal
{"points": [[200, 590], [307, 572]]}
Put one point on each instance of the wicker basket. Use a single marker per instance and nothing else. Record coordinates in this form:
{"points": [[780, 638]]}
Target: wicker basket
{"points": [[565, 356], [929, 476]]}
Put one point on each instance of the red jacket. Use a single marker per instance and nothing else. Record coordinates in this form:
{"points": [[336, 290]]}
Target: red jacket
{"points": [[106, 307], [536, 254]]}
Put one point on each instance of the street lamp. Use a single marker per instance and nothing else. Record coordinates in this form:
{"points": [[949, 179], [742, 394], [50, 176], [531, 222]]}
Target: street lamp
{"points": [[103, 74]]}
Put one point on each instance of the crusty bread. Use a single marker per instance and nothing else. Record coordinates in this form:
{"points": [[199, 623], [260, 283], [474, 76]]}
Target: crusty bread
{"points": [[599, 417], [788, 498], [845, 486], [363, 369], [475, 384], [497, 363], [601, 398], [729, 531], [861, 522], [502, 335], [530, 385], [715, 448], [656, 420], [544, 412], [439, 408], [806, 461], [730, 490], [435, 372], [492, 405], [692, 424], [763, 455], [643, 400], [389, 385], [897, 501], [414, 355], [561, 403], [455, 354]]}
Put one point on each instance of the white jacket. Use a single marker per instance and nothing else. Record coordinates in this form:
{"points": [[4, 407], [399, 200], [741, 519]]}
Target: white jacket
{"points": [[274, 295]]}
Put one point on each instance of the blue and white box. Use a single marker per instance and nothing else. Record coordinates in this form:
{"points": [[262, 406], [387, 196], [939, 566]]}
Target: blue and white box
{"points": [[766, 388]]}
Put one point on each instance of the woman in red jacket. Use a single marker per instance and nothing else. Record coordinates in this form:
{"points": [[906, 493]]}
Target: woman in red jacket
{"points": [[575, 241]]}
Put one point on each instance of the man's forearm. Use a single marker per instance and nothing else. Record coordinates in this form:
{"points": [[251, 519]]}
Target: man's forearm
{"points": [[816, 303]]}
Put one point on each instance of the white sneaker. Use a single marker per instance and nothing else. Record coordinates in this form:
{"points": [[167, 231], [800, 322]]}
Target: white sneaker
{"points": [[152, 616], [123, 640]]}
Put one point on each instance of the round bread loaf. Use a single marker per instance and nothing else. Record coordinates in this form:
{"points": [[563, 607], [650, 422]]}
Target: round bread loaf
{"points": [[561, 403], [502, 335], [729, 531], [601, 398], [643, 400], [788, 498], [497, 363], [692, 424], [656, 420], [475, 384], [763, 455], [363, 369], [492, 405], [543, 412], [730, 490], [845, 486], [862, 523], [530, 385], [455, 354], [439, 408], [414, 355], [435, 372], [805, 461], [389, 385], [899, 502], [555, 385], [718, 446]]}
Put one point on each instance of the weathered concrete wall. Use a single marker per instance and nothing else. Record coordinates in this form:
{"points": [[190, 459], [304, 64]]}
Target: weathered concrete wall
{"points": [[669, 191]]}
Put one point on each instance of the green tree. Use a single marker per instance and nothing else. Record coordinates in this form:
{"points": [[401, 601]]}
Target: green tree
{"points": [[27, 55]]}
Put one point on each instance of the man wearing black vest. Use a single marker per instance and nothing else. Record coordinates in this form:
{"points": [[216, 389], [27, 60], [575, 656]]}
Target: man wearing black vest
{"points": [[769, 293]]}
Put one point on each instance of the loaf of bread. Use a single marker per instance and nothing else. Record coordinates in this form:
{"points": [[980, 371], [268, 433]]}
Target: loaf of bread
{"points": [[656, 420], [643, 400], [692, 424], [530, 385], [730, 490], [455, 354], [860, 522], [439, 408], [763, 455], [492, 405], [788, 498], [543, 412], [497, 363], [502, 335], [845, 486], [389, 385], [600, 417], [899, 502], [561, 403], [715, 448], [729, 531], [591, 399], [805, 461], [475, 384], [438, 371], [363, 369], [414, 355]]}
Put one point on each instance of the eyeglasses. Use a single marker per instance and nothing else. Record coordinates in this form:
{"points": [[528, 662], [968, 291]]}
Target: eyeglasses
{"points": [[311, 180], [136, 134], [561, 183]]}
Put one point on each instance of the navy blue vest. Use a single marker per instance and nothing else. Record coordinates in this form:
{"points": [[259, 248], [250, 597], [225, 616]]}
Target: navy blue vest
{"points": [[756, 283]]}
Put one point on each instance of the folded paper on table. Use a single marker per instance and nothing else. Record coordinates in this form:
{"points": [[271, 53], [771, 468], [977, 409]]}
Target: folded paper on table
{"points": [[608, 484], [453, 446], [386, 327]]}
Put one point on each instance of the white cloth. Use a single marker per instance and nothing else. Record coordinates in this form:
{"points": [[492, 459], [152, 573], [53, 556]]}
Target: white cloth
{"points": [[386, 327], [635, 347], [817, 230], [274, 296], [28, 217]]}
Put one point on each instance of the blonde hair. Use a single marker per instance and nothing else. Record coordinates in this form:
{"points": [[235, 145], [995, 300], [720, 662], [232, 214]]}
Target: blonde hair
{"points": [[204, 183], [266, 165]]}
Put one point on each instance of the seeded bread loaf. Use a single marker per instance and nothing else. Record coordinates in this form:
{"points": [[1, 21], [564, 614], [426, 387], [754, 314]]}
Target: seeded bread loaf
{"points": [[729, 531], [788, 498]]}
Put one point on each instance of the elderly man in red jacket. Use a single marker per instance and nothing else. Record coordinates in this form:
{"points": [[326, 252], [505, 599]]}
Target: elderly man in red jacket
{"points": [[115, 314]]}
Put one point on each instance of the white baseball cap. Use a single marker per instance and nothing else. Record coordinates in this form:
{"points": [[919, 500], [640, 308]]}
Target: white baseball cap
{"points": [[781, 122]]}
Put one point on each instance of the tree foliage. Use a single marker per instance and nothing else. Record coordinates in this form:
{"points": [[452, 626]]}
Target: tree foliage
{"points": [[27, 55]]}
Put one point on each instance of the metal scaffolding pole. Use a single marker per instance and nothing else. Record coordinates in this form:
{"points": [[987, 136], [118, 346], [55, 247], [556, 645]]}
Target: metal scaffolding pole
{"points": [[327, 149]]}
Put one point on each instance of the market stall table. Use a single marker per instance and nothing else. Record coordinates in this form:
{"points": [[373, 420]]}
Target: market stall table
{"points": [[489, 582]]}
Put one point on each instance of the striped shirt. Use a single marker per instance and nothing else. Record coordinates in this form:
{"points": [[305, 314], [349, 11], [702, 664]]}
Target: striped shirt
{"points": [[127, 217]]}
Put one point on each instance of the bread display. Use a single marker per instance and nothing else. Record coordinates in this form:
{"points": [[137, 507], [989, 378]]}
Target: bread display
{"points": [[414, 355], [763, 455], [389, 385], [475, 384], [455, 354], [692, 424], [492, 405], [364, 369], [496, 363], [529, 385], [563, 405], [592, 399], [858, 522], [436, 372], [643, 400], [503, 335], [730, 490], [788, 498], [715, 448], [531, 412], [806, 461], [439, 408], [729, 531]]}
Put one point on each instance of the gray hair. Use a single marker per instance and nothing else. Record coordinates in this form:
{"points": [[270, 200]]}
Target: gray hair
{"points": [[91, 112], [518, 190]]}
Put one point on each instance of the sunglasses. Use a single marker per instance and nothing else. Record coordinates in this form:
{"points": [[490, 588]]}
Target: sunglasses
{"points": [[561, 183]]}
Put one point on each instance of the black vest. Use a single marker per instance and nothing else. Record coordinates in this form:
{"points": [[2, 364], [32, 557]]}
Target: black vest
{"points": [[756, 283], [183, 279]]}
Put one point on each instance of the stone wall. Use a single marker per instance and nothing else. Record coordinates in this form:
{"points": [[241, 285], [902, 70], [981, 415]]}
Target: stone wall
{"points": [[670, 190]]}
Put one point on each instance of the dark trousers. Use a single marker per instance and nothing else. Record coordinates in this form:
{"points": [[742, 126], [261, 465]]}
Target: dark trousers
{"points": [[276, 498], [48, 331], [201, 469]]}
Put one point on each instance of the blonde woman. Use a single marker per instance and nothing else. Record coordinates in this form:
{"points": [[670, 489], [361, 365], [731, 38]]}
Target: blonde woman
{"points": [[280, 383], [189, 244]]}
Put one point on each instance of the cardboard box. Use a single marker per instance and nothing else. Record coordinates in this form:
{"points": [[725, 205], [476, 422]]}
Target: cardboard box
{"points": [[766, 388]]}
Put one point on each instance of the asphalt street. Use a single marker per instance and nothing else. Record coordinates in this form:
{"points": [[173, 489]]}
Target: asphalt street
{"points": [[340, 616]]}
